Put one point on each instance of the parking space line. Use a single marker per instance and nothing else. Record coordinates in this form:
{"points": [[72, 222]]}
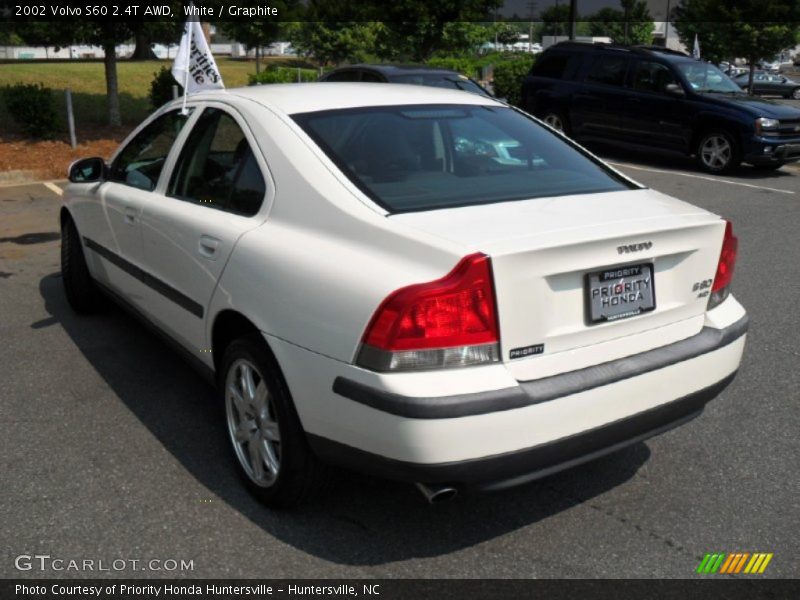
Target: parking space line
{"points": [[706, 178], [53, 187]]}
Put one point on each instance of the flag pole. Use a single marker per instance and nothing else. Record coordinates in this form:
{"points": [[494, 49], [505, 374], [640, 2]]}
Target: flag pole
{"points": [[184, 112]]}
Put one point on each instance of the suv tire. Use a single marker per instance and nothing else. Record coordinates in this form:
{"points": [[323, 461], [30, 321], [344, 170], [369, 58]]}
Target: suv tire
{"points": [[717, 151], [557, 121]]}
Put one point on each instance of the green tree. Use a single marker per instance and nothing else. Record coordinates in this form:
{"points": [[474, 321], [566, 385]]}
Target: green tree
{"points": [[753, 29], [634, 28], [258, 32], [555, 20], [106, 34], [436, 26], [332, 42]]}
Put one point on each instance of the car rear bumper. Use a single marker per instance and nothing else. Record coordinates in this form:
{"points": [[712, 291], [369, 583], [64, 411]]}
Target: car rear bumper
{"points": [[479, 427], [515, 468]]}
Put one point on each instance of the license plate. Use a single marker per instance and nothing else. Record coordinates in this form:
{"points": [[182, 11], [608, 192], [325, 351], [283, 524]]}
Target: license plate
{"points": [[620, 292]]}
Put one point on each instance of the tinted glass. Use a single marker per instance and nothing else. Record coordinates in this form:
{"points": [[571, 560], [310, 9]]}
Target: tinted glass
{"points": [[448, 81], [426, 157], [371, 77], [344, 76], [609, 70], [217, 167], [140, 163], [704, 77], [550, 65], [652, 77]]}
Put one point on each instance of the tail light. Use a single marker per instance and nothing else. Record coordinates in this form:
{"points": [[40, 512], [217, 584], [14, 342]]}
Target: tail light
{"points": [[450, 322], [727, 261]]}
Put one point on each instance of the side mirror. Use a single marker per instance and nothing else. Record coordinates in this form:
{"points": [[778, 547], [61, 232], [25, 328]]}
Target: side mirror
{"points": [[87, 170], [674, 89]]}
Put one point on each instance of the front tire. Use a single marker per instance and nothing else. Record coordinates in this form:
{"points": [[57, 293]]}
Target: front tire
{"points": [[718, 152], [269, 445], [796, 93], [81, 291]]}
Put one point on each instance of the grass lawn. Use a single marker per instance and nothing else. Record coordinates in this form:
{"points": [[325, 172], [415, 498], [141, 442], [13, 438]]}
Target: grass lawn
{"points": [[88, 84], [48, 159]]}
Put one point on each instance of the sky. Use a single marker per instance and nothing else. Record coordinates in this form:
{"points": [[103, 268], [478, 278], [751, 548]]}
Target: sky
{"points": [[658, 8]]}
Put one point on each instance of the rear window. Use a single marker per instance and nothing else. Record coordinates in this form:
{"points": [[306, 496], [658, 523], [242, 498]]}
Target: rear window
{"points": [[412, 158]]}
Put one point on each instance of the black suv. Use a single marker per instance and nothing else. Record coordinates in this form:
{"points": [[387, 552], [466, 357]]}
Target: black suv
{"points": [[649, 96]]}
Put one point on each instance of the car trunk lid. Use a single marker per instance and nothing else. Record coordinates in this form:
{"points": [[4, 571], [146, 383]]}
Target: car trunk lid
{"points": [[543, 251]]}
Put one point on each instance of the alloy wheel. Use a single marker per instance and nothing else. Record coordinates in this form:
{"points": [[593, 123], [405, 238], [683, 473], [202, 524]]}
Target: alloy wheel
{"points": [[252, 423], [554, 121], [716, 152]]}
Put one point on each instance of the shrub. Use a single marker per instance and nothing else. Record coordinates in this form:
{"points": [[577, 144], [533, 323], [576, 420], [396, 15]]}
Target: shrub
{"points": [[276, 74], [161, 87], [508, 77], [31, 106]]}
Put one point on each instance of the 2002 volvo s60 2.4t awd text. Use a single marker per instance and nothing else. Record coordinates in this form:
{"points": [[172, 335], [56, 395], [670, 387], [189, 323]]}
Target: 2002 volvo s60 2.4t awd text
{"points": [[421, 284]]}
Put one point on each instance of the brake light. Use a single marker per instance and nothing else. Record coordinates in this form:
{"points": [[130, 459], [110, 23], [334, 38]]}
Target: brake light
{"points": [[727, 261], [448, 322]]}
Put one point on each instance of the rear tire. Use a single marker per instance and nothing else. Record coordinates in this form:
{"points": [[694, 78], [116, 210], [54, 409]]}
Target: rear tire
{"points": [[81, 291], [557, 121], [795, 93], [717, 151], [270, 449]]}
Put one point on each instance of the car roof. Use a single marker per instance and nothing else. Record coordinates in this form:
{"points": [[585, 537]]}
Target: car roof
{"points": [[639, 50], [398, 69], [295, 98]]}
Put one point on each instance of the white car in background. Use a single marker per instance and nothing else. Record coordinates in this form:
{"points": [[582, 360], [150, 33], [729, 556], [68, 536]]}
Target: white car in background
{"points": [[366, 291]]}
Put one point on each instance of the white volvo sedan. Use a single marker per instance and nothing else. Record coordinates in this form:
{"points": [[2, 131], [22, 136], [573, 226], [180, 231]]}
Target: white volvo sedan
{"points": [[421, 284]]}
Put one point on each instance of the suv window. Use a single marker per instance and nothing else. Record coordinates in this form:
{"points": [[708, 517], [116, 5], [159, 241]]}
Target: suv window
{"points": [[139, 164], [217, 167], [652, 77], [556, 66], [371, 77], [608, 70], [344, 76]]}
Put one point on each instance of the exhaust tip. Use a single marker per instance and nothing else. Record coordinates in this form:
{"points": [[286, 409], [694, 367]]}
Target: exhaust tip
{"points": [[438, 493]]}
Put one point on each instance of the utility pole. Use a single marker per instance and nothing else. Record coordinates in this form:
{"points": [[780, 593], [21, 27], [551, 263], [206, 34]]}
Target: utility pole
{"points": [[573, 16], [666, 28], [531, 9]]}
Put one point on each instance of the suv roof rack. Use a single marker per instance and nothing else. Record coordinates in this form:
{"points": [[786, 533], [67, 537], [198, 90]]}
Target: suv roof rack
{"points": [[640, 48]]}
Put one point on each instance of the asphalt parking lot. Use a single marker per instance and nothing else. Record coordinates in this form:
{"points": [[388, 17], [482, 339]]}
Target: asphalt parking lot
{"points": [[111, 447]]}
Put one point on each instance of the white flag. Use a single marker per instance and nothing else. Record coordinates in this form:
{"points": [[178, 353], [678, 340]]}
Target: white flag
{"points": [[696, 49], [194, 67]]}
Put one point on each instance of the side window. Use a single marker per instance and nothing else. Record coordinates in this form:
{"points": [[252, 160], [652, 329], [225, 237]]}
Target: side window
{"points": [[608, 70], [344, 76], [141, 161], [371, 77], [652, 77], [551, 65], [217, 167]]}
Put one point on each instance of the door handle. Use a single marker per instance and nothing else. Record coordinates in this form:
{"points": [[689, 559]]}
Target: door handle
{"points": [[130, 215], [208, 247]]}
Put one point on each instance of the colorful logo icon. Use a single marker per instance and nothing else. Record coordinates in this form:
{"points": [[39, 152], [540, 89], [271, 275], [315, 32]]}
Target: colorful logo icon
{"points": [[734, 563]]}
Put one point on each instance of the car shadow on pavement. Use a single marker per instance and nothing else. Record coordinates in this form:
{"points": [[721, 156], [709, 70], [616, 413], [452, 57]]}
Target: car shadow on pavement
{"points": [[362, 521], [669, 161]]}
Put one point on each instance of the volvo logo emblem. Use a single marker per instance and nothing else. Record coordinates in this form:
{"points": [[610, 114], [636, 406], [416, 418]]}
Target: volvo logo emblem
{"points": [[628, 248]]}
